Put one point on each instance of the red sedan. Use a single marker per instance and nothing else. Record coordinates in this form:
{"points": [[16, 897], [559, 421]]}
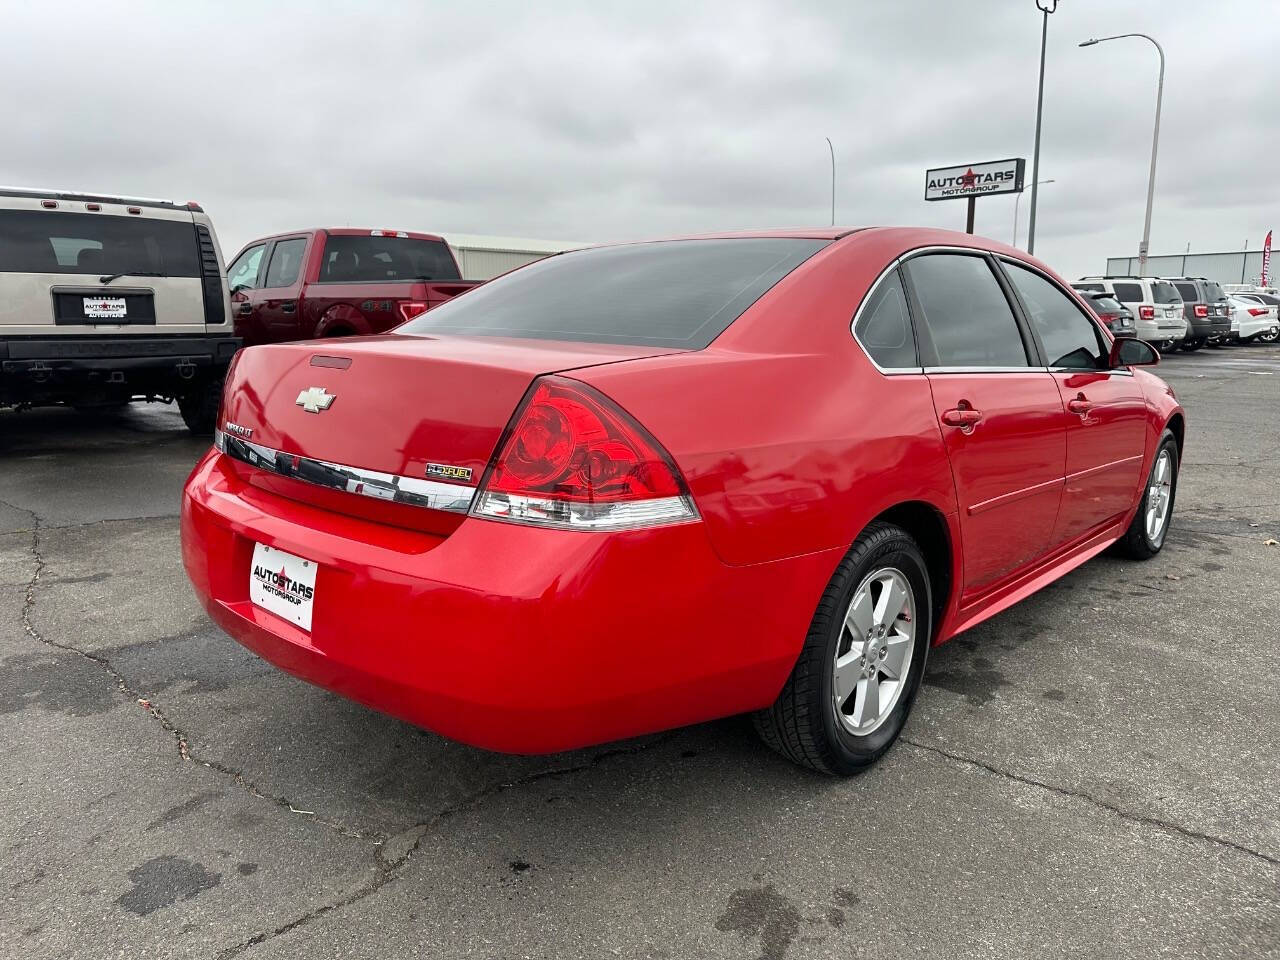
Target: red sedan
{"points": [[640, 486]]}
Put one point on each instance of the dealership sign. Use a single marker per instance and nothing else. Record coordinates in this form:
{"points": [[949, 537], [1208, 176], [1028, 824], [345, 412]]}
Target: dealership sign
{"points": [[974, 180]]}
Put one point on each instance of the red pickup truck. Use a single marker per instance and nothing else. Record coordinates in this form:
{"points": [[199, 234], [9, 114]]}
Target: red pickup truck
{"points": [[338, 283]]}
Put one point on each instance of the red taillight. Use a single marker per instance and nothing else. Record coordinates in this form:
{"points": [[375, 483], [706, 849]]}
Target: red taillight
{"points": [[575, 459], [411, 308], [49, 204], [1108, 318], [95, 207], [134, 210], [1147, 313], [1201, 310]]}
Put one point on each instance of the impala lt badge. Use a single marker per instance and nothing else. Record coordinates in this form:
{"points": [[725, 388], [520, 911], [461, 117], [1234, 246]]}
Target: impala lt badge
{"points": [[314, 399]]}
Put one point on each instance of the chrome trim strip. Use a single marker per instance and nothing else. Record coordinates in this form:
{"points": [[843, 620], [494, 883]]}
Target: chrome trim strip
{"points": [[1012, 496], [857, 315], [432, 494], [1099, 468], [989, 370]]}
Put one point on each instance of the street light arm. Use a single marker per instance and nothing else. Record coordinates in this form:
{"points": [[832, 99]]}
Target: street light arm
{"points": [[1155, 140]]}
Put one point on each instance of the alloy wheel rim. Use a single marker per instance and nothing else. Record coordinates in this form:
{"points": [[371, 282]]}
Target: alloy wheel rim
{"points": [[1159, 496], [873, 655]]}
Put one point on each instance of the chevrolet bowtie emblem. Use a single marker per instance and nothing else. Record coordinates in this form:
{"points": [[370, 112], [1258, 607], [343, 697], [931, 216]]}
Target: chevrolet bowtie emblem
{"points": [[314, 399]]}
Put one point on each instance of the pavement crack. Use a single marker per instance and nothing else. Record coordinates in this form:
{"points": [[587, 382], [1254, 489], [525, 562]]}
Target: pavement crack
{"points": [[1166, 825], [406, 843], [130, 692]]}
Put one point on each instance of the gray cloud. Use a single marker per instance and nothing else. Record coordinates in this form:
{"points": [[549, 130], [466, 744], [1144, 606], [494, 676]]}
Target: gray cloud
{"points": [[615, 120]]}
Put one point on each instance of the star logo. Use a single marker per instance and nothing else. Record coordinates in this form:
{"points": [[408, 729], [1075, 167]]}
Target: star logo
{"points": [[969, 179], [315, 399]]}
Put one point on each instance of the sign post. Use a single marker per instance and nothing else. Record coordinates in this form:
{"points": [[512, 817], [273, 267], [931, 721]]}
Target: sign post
{"points": [[973, 180]]}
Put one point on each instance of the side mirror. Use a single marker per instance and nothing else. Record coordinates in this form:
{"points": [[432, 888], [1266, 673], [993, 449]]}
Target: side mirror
{"points": [[238, 288], [1132, 352]]}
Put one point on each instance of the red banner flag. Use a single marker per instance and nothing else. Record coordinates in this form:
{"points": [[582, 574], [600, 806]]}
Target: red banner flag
{"points": [[1266, 259]]}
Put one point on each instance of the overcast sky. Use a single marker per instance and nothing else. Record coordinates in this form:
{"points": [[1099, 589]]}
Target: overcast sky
{"points": [[615, 120]]}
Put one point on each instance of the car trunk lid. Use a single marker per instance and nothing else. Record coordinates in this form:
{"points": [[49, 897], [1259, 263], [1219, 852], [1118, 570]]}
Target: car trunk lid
{"points": [[408, 409]]}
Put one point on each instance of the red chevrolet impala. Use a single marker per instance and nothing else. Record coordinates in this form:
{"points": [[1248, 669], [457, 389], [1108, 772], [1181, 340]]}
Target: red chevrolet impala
{"points": [[639, 486]]}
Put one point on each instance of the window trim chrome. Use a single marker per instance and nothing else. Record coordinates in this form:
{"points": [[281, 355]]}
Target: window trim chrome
{"points": [[412, 491], [857, 315]]}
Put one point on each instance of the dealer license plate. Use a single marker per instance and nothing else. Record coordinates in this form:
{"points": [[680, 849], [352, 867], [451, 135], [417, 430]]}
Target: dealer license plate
{"points": [[104, 308], [283, 584]]}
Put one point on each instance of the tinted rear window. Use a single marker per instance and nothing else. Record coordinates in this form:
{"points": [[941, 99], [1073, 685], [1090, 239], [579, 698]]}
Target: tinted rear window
{"points": [[1128, 292], [1214, 292], [354, 259], [89, 243], [1107, 305], [1164, 292], [677, 293]]}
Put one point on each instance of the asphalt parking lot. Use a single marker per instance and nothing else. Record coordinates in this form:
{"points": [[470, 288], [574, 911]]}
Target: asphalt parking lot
{"points": [[1094, 773]]}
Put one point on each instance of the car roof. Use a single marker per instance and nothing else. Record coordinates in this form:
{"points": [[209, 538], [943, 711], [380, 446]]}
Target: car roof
{"points": [[349, 232]]}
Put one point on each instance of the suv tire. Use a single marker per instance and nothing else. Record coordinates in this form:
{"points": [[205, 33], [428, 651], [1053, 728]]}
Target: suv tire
{"points": [[199, 407]]}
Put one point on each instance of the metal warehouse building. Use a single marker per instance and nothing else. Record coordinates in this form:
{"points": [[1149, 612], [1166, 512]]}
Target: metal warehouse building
{"points": [[482, 258], [1242, 266]]}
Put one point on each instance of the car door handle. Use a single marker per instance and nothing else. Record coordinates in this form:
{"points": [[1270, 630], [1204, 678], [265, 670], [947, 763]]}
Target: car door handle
{"points": [[1080, 406], [244, 309], [289, 306], [961, 417]]}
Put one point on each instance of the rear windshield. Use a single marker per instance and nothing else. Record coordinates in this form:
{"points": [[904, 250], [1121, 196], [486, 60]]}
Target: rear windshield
{"points": [[32, 241], [1214, 292], [1165, 292], [352, 259], [676, 293], [1105, 304]]}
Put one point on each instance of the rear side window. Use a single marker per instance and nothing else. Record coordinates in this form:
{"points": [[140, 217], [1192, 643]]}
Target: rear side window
{"points": [[286, 263], [1070, 338], [884, 329], [1187, 291], [674, 293], [966, 312], [87, 243], [1164, 292], [356, 259], [1128, 292]]}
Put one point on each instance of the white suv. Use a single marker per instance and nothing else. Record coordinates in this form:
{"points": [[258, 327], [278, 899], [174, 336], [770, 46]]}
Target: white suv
{"points": [[1156, 306], [105, 300]]}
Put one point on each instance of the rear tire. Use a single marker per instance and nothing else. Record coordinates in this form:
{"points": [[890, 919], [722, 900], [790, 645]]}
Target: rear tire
{"points": [[199, 407], [814, 719], [1143, 540], [1268, 337]]}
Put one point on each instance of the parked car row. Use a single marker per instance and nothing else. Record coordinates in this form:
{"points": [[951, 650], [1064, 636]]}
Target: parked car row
{"points": [[1184, 313], [107, 299]]}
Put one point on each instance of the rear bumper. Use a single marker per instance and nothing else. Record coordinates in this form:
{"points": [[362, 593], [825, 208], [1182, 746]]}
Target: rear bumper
{"points": [[502, 636], [1209, 327], [52, 369], [22, 354]]}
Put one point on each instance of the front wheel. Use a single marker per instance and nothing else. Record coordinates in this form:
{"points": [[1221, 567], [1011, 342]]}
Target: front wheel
{"points": [[858, 672], [1150, 524]]}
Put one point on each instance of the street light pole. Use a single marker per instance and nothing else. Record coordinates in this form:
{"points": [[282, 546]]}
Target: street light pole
{"points": [[1046, 7], [833, 180], [1155, 145], [1017, 198]]}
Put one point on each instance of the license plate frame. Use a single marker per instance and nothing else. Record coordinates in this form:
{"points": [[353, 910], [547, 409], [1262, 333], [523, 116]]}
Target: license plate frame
{"points": [[106, 308], [283, 584]]}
